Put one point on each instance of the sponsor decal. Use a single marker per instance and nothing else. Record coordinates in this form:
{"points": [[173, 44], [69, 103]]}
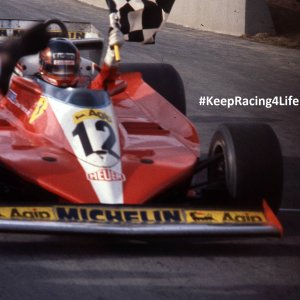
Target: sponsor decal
{"points": [[40, 108], [64, 62], [91, 114], [242, 218], [224, 217], [105, 215], [106, 174], [135, 216], [28, 213], [74, 35], [12, 97], [202, 217], [64, 59], [64, 56]]}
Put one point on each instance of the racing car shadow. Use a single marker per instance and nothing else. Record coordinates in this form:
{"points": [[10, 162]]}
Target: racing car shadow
{"points": [[95, 246]]}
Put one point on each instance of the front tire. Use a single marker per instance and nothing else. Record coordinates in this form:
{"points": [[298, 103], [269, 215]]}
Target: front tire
{"points": [[250, 164]]}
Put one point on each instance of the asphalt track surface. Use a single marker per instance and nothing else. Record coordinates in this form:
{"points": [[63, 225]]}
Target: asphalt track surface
{"points": [[80, 267]]}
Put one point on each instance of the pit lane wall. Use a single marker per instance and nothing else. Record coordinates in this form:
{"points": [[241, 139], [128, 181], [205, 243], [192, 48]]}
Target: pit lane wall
{"points": [[234, 17]]}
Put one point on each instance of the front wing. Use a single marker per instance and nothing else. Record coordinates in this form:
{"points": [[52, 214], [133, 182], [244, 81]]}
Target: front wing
{"points": [[140, 221]]}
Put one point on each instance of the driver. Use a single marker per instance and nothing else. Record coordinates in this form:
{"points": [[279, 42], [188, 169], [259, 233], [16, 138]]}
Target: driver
{"points": [[60, 63]]}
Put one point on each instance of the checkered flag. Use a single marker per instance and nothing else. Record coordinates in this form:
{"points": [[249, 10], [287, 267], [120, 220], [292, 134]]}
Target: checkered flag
{"points": [[140, 20]]}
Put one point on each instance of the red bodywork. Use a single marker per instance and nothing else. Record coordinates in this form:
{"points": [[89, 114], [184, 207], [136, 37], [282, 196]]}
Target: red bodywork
{"points": [[159, 146]]}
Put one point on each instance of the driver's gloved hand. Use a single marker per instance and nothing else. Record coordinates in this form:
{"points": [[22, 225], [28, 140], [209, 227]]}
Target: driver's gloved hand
{"points": [[115, 38]]}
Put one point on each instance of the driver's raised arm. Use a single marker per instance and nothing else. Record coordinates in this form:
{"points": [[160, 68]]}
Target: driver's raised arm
{"points": [[110, 64]]}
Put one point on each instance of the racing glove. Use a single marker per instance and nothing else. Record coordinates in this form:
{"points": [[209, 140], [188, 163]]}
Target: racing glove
{"points": [[115, 38]]}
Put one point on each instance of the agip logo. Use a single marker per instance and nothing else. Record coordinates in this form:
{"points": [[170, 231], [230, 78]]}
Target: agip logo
{"points": [[28, 213]]}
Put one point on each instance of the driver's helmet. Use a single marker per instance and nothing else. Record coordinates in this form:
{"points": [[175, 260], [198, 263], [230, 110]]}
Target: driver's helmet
{"points": [[59, 63]]}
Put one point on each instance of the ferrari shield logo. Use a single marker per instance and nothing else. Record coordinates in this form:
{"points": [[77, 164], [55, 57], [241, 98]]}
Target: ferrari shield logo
{"points": [[40, 108]]}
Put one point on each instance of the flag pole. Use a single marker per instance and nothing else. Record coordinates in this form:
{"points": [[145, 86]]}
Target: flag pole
{"points": [[117, 53]]}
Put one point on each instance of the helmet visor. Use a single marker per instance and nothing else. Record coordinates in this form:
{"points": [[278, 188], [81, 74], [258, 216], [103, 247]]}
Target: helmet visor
{"points": [[62, 69]]}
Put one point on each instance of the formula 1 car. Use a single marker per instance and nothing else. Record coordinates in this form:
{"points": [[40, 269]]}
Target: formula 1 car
{"points": [[126, 160]]}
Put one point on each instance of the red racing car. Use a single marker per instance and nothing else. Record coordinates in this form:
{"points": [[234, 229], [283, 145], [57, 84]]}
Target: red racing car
{"points": [[125, 159]]}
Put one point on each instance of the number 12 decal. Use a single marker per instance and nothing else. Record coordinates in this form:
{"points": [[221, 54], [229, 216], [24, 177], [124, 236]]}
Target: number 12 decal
{"points": [[107, 145]]}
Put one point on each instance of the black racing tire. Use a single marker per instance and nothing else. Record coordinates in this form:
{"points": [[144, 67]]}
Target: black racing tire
{"points": [[164, 79], [251, 164]]}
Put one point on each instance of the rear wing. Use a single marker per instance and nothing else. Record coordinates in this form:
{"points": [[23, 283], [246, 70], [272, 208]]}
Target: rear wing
{"points": [[84, 35]]}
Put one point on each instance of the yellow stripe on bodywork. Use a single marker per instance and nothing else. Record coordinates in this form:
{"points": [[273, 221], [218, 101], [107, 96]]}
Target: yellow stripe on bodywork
{"points": [[104, 215]]}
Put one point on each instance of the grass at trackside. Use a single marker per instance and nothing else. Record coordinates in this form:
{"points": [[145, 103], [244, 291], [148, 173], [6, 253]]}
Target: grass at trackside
{"points": [[286, 19]]}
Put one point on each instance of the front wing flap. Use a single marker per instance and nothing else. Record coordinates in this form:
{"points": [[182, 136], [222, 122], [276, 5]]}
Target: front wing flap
{"points": [[131, 221]]}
